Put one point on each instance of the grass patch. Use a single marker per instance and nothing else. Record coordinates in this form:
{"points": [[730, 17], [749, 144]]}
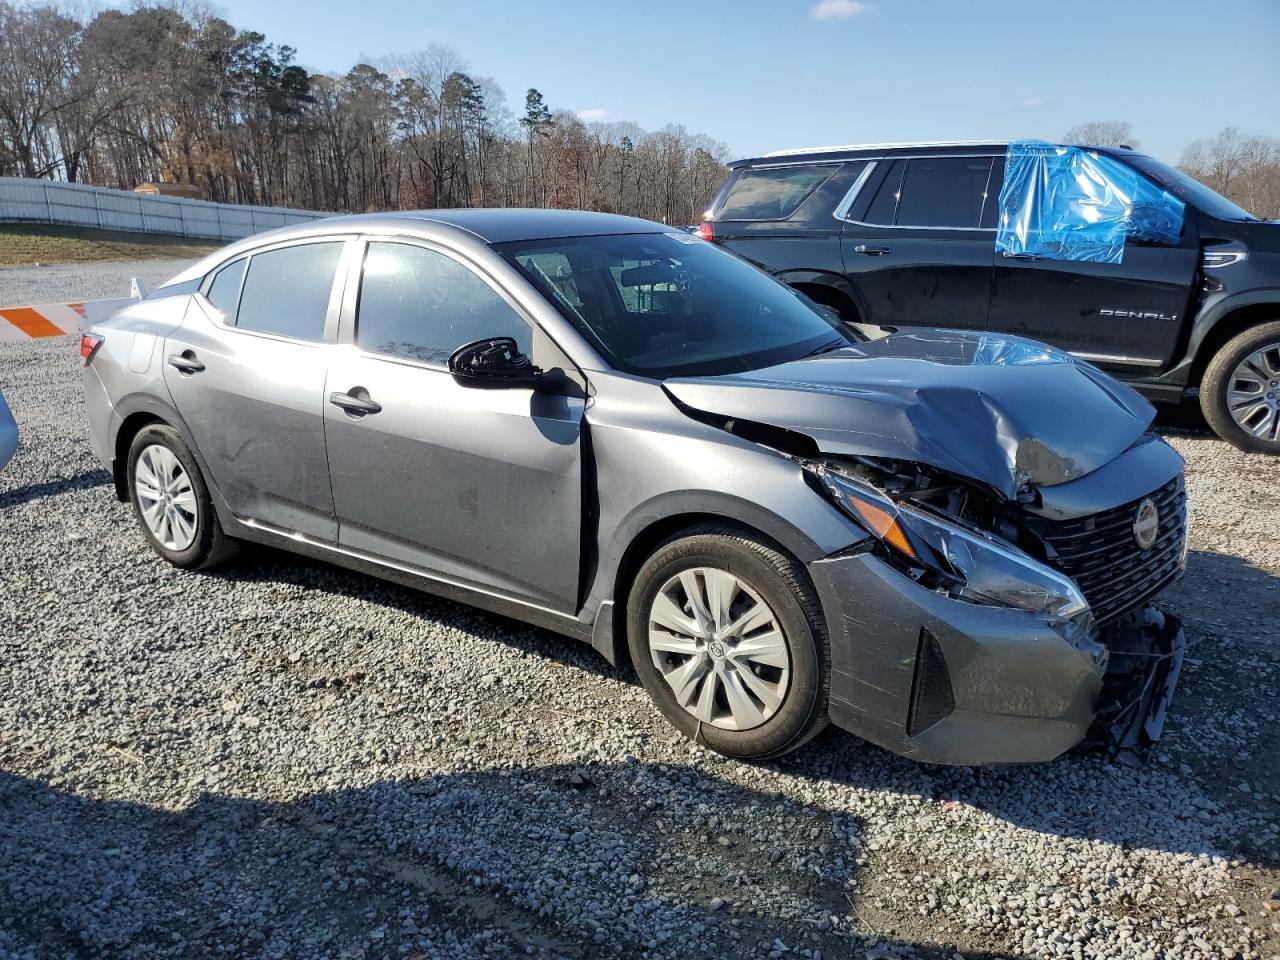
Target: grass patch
{"points": [[26, 244]]}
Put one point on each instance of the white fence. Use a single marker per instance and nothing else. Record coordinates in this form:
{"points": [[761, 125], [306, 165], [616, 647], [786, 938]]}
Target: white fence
{"points": [[47, 201]]}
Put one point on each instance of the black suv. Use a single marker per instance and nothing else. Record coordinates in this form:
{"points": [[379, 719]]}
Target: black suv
{"points": [[902, 235]]}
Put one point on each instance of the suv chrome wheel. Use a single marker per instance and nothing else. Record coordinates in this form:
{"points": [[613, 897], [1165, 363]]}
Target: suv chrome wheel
{"points": [[1253, 393], [165, 498], [719, 648]]}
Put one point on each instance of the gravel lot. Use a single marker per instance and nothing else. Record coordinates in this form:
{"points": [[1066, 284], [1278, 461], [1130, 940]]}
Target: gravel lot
{"points": [[69, 282], [281, 759]]}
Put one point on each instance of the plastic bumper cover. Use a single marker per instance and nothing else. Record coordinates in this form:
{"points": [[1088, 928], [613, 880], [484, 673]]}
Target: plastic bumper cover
{"points": [[946, 681]]}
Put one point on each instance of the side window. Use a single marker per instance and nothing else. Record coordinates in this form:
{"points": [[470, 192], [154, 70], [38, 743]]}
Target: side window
{"points": [[422, 305], [225, 289], [943, 191], [286, 291], [885, 203], [991, 208], [773, 194]]}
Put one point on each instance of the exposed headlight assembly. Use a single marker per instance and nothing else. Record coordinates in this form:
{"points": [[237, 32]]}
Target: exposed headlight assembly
{"points": [[980, 568]]}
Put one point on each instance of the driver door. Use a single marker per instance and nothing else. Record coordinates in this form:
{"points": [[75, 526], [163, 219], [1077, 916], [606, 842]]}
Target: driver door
{"points": [[481, 487]]}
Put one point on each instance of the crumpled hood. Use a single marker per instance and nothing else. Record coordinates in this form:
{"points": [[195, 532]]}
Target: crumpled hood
{"points": [[1001, 410]]}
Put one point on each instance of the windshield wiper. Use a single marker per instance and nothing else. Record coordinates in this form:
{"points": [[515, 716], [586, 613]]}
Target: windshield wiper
{"points": [[827, 347]]}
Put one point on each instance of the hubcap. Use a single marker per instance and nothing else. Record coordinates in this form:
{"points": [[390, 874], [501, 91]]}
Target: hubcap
{"points": [[1252, 395], [719, 648], [167, 502]]}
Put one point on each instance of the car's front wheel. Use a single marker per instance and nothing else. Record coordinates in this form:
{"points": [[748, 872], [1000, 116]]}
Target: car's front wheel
{"points": [[171, 501], [728, 639], [1240, 392]]}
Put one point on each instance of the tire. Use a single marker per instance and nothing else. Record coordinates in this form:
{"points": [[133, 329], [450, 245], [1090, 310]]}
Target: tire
{"points": [[1255, 354], [158, 453], [760, 575]]}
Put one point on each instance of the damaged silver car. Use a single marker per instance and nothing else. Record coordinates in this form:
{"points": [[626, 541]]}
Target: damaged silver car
{"points": [[943, 542]]}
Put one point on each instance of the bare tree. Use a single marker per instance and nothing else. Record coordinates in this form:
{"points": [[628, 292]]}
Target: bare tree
{"points": [[1243, 168], [1104, 133], [175, 93]]}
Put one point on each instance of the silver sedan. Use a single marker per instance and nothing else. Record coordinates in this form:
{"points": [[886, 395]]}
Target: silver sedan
{"points": [[941, 542]]}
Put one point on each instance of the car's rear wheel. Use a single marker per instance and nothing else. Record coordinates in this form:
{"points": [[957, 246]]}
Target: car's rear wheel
{"points": [[728, 639], [1240, 392], [171, 501]]}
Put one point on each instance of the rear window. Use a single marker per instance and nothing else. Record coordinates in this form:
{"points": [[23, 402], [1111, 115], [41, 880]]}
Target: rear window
{"points": [[224, 292], [286, 291], [774, 193], [943, 192]]}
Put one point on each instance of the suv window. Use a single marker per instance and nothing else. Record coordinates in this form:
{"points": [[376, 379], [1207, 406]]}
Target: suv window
{"points": [[943, 191], [225, 289], [286, 291], [420, 304], [773, 194], [885, 204]]}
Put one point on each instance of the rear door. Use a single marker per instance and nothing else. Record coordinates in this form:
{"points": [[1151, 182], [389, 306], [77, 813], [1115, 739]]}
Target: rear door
{"points": [[246, 371], [914, 247], [481, 487], [1126, 317]]}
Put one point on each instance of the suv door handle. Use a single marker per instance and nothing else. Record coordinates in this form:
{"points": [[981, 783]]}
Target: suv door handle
{"points": [[186, 362], [872, 250], [1020, 256], [356, 405]]}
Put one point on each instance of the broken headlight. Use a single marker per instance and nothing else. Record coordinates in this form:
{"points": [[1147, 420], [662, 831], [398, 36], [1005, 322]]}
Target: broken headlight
{"points": [[973, 565]]}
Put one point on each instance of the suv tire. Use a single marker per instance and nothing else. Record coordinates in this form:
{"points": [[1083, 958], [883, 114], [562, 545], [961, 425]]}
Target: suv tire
{"points": [[171, 501], [760, 615], [1249, 358]]}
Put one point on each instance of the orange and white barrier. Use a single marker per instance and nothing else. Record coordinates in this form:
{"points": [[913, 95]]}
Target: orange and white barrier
{"points": [[18, 324], [46, 320]]}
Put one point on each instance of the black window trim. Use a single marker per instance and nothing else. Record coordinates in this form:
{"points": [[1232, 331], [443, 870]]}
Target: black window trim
{"points": [[841, 211], [336, 290]]}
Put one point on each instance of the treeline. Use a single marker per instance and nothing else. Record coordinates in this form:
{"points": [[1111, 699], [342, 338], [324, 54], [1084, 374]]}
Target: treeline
{"points": [[160, 95], [1244, 168]]}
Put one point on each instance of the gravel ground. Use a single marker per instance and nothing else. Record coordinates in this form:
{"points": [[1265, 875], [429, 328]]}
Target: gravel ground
{"points": [[282, 759], [71, 282]]}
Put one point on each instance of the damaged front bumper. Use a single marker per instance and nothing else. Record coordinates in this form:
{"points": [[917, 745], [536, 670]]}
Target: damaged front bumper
{"points": [[1146, 648], [945, 681]]}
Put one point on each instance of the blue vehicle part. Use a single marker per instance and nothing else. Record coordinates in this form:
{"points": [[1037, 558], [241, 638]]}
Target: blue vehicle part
{"points": [[1072, 203], [8, 434]]}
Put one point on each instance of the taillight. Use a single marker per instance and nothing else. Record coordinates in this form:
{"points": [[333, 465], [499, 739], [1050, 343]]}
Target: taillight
{"points": [[706, 231], [89, 344]]}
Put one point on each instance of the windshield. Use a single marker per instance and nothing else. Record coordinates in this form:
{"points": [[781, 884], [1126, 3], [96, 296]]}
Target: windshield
{"points": [[1189, 190], [665, 305]]}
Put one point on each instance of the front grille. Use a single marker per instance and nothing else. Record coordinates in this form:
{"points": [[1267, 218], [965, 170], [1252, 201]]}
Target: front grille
{"points": [[1101, 555]]}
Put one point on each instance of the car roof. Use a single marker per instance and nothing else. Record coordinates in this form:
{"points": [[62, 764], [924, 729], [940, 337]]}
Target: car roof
{"points": [[504, 225], [485, 226], [857, 151]]}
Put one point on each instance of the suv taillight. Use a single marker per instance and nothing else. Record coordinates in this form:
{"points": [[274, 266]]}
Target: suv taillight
{"points": [[706, 231], [89, 344]]}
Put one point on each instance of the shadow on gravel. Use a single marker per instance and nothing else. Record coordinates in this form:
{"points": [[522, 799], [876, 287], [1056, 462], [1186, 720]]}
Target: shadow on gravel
{"points": [[1081, 795], [266, 564], [1182, 416], [52, 488], [626, 859]]}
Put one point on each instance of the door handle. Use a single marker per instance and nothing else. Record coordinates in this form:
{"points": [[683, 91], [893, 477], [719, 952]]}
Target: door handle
{"points": [[356, 405], [871, 250], [1020, 256], [185, 362]]}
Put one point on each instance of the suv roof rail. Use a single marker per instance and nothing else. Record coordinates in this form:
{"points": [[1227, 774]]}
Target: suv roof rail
{"points": [[839, 148]]}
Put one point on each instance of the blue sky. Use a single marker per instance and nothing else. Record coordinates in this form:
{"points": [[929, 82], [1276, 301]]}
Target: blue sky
{"points": [[763, 75]]}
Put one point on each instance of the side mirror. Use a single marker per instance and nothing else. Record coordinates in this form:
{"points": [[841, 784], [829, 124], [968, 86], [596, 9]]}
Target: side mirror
{"points": [[493, 362]]}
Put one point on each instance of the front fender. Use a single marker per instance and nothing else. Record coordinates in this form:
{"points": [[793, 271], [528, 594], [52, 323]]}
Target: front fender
{"points": [[1220, 306]]}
